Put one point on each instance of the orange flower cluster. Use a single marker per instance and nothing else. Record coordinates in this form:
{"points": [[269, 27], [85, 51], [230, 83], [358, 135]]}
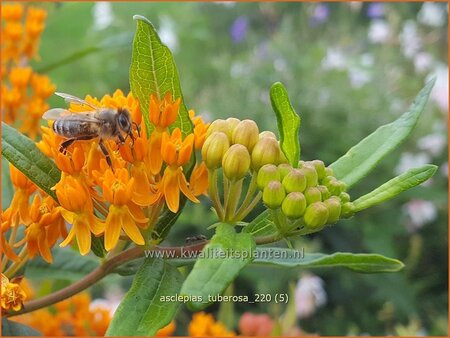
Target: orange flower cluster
{"points": [[24, 92], [12, 295], [72, 317], [148, 173], [204, 325]]}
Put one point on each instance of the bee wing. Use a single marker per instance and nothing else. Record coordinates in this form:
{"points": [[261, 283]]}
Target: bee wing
{"points": [[71, 98], [64, 114]]}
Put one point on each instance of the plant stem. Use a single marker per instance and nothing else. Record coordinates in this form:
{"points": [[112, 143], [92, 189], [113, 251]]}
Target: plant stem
{"points": [[214, 193], [232, 199], [104, 269], [241, 213], [23, 255]]}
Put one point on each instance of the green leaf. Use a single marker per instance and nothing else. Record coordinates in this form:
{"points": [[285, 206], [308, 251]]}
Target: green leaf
{"points": [[98, 246], [144, 311], [364, 157], [153, 71], [392, 188], [218, 265], [166, 220], [262, 225], [25, 156], [367, 263], [288, 123], [7, 187], [13, 329], [67, 265]]}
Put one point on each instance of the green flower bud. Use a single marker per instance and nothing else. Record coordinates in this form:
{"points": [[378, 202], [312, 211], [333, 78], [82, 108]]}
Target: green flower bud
{"points": [[344, 197], [267, 133], [300, 164], [214, 148], [220, 125], [312, 194], [273, 194], [236, 162], [295, 180], [232, 123], [329, 172], [316, 215], [334, 187], [246, 133], [267, 173], [320, 168], [294, 205], [282, 158], [284, 169], [347, 210], [324, 192], [334, 209], [311, 175], [266, 151]]}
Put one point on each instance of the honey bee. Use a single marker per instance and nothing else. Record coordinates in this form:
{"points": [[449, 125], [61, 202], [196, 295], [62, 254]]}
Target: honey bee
{"points": [[104, 123]]}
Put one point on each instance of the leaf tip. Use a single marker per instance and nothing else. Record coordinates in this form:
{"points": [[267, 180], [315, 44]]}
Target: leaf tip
{"points": [[138, 17]]}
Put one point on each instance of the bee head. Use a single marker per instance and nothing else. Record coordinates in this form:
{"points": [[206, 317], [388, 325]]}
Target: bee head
{"points": [[124, 121]]}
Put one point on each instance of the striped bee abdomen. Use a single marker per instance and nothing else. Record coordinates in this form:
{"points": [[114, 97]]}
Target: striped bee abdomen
{"points": [[75, 129]]}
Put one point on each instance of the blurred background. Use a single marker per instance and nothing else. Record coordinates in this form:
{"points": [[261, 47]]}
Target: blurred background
{"points": [[348, 68]]}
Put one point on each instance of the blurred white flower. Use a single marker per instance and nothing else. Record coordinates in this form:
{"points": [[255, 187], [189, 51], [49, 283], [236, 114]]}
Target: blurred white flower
{"points": [[225, 3], [439, 94], [432, 14], [409, 161], [423, 62], [309, 295], [409, 39], [167, 33], [355, 6], [379, 31], [334, 59], [420, 212], [433, 143], [359, 77], [444, 169], [103, 15], [113, 297]]}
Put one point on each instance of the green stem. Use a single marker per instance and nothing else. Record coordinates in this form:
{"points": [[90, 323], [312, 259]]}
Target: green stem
{"points": [[23, 255], [232, 198], [249, 195], [214, 194], [242, 213]]}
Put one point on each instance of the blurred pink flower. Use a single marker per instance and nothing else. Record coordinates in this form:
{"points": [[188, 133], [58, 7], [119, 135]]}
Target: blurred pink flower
{"points": [[420, 212], [309, 295]]}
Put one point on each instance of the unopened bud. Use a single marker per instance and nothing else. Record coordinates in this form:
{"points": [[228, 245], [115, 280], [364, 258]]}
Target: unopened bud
{"points": [[345, 197], [320, 168], [266, 151], [312, 194], [220, 125], [324, 192], [282, 158], [316, 215], [246, 133], [267, 133], [273, 194], [329, 172], [310, 174], [236, 162], [334, 209], [232, 123], [294, 205], [267, 173], [284, 169], [347, 210], [214, 149], [295, 180]]}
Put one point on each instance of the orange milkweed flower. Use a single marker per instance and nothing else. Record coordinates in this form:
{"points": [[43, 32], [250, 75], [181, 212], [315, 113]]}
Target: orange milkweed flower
{"points": [[12, 295], [6, 225], [162, 114], [77, 209], [12, 12], [204, 325], [20, 206], [199, 180], [167, 330], [123, 213], [20, 77], [175, 153], [200, 129], [42, 85], [45, 228]]}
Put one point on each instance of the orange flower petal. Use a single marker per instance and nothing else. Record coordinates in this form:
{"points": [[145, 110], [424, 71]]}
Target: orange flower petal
{"points": [[130, 228], [171, 189], [184, 188], [112, 228], [83, 234]]}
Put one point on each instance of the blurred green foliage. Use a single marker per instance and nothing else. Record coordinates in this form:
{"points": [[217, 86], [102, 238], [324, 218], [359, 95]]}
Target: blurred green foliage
{"points": [[344, 80]]}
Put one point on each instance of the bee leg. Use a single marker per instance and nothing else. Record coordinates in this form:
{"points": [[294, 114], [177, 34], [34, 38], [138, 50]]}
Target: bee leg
{"points": [[105, 152], [64, 145]]}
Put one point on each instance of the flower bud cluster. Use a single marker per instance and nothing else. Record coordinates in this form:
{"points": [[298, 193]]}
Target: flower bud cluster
{"points": [[309, 192], [238, 147]]}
